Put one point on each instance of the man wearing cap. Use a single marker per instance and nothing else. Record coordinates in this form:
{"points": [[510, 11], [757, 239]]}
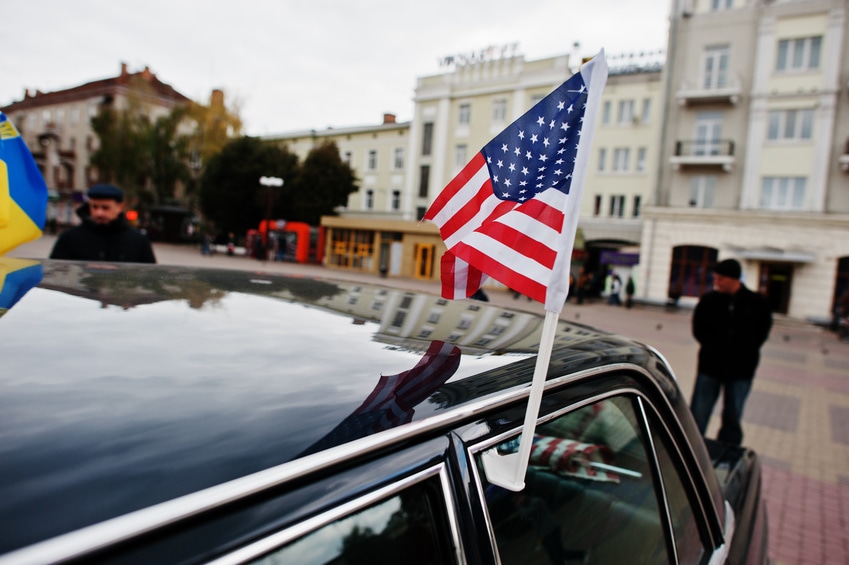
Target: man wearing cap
{"points": [[104, 234], [731, 323]]}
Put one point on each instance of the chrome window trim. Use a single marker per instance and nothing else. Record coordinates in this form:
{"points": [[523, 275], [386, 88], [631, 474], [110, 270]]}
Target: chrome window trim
{"points": [[98, 536], [279, 539], [667, 522]]}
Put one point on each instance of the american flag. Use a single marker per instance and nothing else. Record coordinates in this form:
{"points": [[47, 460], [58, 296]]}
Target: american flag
{"points": [[512, 212]]}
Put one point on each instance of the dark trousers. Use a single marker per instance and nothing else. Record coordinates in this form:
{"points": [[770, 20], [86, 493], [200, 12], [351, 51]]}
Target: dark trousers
{"points": [[705, 394]]}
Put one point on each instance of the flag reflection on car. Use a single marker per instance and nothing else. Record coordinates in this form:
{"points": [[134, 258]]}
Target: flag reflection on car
{"points": [[393, 400]]}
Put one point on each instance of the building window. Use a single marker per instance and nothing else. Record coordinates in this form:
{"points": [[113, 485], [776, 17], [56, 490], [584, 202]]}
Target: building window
{"points": [[424, 180], [626, 112], [715, 67], [427, 139], [617, 206], [801, 54], [716, 5], [369, 202], [605, 114], [396, 200], [702, 188], [691, 272], [708, 133], [372, 160], [75, 116], [499, 110], [460, 155], [638, 200], [420, 212], [783, 193], [646, 115], [621, 156], [464, 117], [602, 157], [398, 158], [597, 205], [790, 124], [641, 159], [348, 157]]}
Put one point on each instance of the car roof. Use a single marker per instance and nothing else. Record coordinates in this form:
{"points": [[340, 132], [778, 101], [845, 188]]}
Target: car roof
{"points": [[128, 385]]}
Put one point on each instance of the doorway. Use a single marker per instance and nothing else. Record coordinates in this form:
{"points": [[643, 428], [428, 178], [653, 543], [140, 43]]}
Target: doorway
{"points": [[424, 254], [775, 283]]}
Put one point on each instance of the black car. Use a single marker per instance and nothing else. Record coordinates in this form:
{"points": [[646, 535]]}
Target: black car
{"points": [[154, 414]]}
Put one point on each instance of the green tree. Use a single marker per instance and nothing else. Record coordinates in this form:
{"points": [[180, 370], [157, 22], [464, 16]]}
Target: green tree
{"points": [[325, 182], [122, 154], [168, 158], [230, 193]]}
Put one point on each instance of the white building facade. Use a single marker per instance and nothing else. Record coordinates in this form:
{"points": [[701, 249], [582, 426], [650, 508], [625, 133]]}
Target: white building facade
{"points": [[753, 154]]}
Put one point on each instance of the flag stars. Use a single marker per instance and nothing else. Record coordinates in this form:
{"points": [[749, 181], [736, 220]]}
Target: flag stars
{"points": [[525, 171], [534, 138], [561, 105], [500, 164], [504, 148], [541, 121], [517, 151], [545, 142]]}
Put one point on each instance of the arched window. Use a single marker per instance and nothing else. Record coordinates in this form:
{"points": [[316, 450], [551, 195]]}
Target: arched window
{"points": [[691, 271]]}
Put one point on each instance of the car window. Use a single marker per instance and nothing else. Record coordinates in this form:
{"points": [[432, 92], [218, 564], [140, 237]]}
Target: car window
{"points": [[410, 526], [589, 493]]}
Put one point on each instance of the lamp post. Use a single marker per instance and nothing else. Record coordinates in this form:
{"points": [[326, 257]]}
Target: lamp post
{"points": [[270, 183]]}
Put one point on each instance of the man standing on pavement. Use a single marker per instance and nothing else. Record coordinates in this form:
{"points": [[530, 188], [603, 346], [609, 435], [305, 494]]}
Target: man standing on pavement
{"points": [[731, 323], [104, 234]]}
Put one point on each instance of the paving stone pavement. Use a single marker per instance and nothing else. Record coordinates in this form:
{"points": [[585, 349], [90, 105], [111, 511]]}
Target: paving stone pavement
{"points": [[797, 416]]}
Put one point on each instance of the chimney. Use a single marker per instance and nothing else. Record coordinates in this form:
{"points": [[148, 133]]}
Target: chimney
{"points": [[216, 99], [146, 74], [388, 119], [123, 69]]}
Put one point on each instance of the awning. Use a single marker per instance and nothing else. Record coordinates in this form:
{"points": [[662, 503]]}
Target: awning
{"points": [[774, 254]]}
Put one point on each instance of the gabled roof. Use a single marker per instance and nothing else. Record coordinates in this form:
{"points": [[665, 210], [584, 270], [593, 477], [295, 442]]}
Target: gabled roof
{"points": [[120, 84]]}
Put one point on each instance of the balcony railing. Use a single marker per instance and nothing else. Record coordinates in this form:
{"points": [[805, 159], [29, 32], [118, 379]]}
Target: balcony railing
{"points": [[703, 153], [721, 88]]}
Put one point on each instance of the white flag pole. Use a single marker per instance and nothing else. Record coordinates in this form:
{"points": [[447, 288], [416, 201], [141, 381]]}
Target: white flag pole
{"points": [[508, 471]]}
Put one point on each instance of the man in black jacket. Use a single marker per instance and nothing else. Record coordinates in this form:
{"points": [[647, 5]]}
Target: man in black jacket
{"points": [[105, 234], [731, 323]]}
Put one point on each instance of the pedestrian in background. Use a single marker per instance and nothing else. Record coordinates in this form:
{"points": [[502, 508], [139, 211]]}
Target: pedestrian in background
{"points": [[731, 323], [104, 234], [615, 289], [629, 292]]}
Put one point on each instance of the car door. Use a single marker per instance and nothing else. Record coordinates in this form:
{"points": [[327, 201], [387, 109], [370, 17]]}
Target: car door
{"points": [[606, 483]]}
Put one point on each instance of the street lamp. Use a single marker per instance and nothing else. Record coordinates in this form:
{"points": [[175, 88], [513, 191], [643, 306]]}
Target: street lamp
{"points": [[270, 183]]}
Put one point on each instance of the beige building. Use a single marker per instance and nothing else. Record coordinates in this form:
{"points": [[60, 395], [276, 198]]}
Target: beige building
{"points": [[402, 167], [56, 127], [753, 162]]}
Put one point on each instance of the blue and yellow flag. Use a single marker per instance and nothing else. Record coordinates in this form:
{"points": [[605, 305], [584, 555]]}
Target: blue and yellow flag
{"points": [[23, 192], [17, 277]]}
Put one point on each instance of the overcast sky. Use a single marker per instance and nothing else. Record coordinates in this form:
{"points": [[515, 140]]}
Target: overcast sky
{"points": [[301, 64]]}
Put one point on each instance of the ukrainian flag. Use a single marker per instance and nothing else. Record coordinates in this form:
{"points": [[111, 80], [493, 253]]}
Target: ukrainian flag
{"points": [[23, 192], [17, 277]]}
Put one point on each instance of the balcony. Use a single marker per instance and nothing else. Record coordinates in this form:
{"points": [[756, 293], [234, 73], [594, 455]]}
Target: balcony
{"points": [[844, 159], [703, 153], [720, 89]]}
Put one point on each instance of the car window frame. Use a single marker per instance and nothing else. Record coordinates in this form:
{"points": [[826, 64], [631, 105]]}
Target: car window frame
{"points": [[703, 512], [278, 539]]}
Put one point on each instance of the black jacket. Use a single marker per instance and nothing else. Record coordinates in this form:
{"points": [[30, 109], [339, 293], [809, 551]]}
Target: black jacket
{"points": [[731, 330], [115, 241]]}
